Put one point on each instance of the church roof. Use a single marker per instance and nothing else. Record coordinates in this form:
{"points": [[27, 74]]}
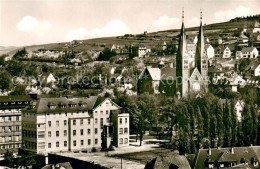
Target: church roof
{"points": [[155, 73]]}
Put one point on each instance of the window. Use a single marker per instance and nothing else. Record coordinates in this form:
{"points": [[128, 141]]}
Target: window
{"points": [[57, 123], [17, 118], [125, 130], [96, 141], [106, 111], [17, 128], [49, 145], [74, 143], [101, 112], [74, 122], [81, 121], [120, 141], [74, 132], [101, 122], [120, 121], [95, 112], [49, 123], [89, 141], [65, 143], [65, 122], [57, 133], [107, 120], [96, 130], [9, 118], [88, 121], [57, 144], [81, 132], [81, 142], [121, 131], [89, 131], [65, 132], [126, 141], [49, 133], [96, 120], [125, 120]]}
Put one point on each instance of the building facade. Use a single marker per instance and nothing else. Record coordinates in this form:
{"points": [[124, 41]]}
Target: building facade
{"points": [[71, 124], [191, 77], [10, 122]]}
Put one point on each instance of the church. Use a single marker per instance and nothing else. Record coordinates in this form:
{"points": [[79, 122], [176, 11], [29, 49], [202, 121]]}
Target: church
{"points": [[191, 73], [190, 76]]}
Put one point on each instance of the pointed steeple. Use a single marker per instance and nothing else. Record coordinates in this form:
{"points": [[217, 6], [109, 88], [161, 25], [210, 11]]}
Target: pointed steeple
{"points": [[181, 49], [200, 49]]}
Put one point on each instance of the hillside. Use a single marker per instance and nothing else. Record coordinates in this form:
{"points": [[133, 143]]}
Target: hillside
{"points": [[152, 38]]}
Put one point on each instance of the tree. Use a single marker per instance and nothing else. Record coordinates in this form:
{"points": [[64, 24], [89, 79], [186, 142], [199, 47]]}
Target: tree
{"points": [[5, 82], [138, 111], [106, 54], [9, 159], [19, 90], [258, 131]]}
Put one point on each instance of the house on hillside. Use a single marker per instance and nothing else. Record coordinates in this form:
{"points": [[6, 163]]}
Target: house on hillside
{"points": [[247, 52], [242, 39], [210, 51], [119, 49], [144, 51], [50, 78], [236, 80], [253, 68], [256, 28], [223, 52]]}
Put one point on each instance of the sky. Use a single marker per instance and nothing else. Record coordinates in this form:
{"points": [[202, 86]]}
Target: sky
{"points": [[31, 22]]}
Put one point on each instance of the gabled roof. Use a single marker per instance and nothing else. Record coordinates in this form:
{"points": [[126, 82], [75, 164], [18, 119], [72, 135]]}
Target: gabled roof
{"points": [[195, 72], [257, 25], [247, 49], [225, 155], [100, 100], [168, 73], [155, 73], [15, 98], [252, 66]]}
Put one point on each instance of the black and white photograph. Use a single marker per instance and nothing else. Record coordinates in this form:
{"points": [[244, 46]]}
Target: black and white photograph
{"points": [[129, 84]]}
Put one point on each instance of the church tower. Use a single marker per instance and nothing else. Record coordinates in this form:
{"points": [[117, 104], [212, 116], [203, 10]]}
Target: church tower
{"points": [[182, 63], [201, 60]]}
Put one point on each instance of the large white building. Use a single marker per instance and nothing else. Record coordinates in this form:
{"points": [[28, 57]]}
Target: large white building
{"points": [[10, 122], [74, 124]]}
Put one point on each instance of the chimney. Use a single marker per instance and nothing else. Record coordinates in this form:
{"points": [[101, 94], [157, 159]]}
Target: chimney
{"points": [[232, 150], [209, 151]]}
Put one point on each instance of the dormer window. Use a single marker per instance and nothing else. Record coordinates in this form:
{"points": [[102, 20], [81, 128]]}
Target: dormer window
{"points": [[12, 102], [71, 104], [82, 104], [254, 162], [51, 105], [62, 105]]}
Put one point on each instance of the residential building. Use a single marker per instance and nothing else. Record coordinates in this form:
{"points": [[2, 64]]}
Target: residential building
{"points": [[247, 52], [236, 157], [253, 68], [236, 80], [10, 122], [223, 52], [256, 28], [50, 78], [144, 51], [210, 51], [72, 124], [242, 38]]}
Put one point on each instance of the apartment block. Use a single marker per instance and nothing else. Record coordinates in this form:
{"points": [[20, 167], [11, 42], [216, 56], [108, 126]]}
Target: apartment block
{"points": [[72, 124], [10, 122]]}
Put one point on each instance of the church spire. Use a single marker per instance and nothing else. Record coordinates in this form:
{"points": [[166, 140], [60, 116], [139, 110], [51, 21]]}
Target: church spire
{"points": [[180, 54], [200, 46]]}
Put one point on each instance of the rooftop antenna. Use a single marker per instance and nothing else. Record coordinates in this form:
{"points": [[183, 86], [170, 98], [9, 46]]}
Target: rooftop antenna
{"points": [[182, 14]]}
